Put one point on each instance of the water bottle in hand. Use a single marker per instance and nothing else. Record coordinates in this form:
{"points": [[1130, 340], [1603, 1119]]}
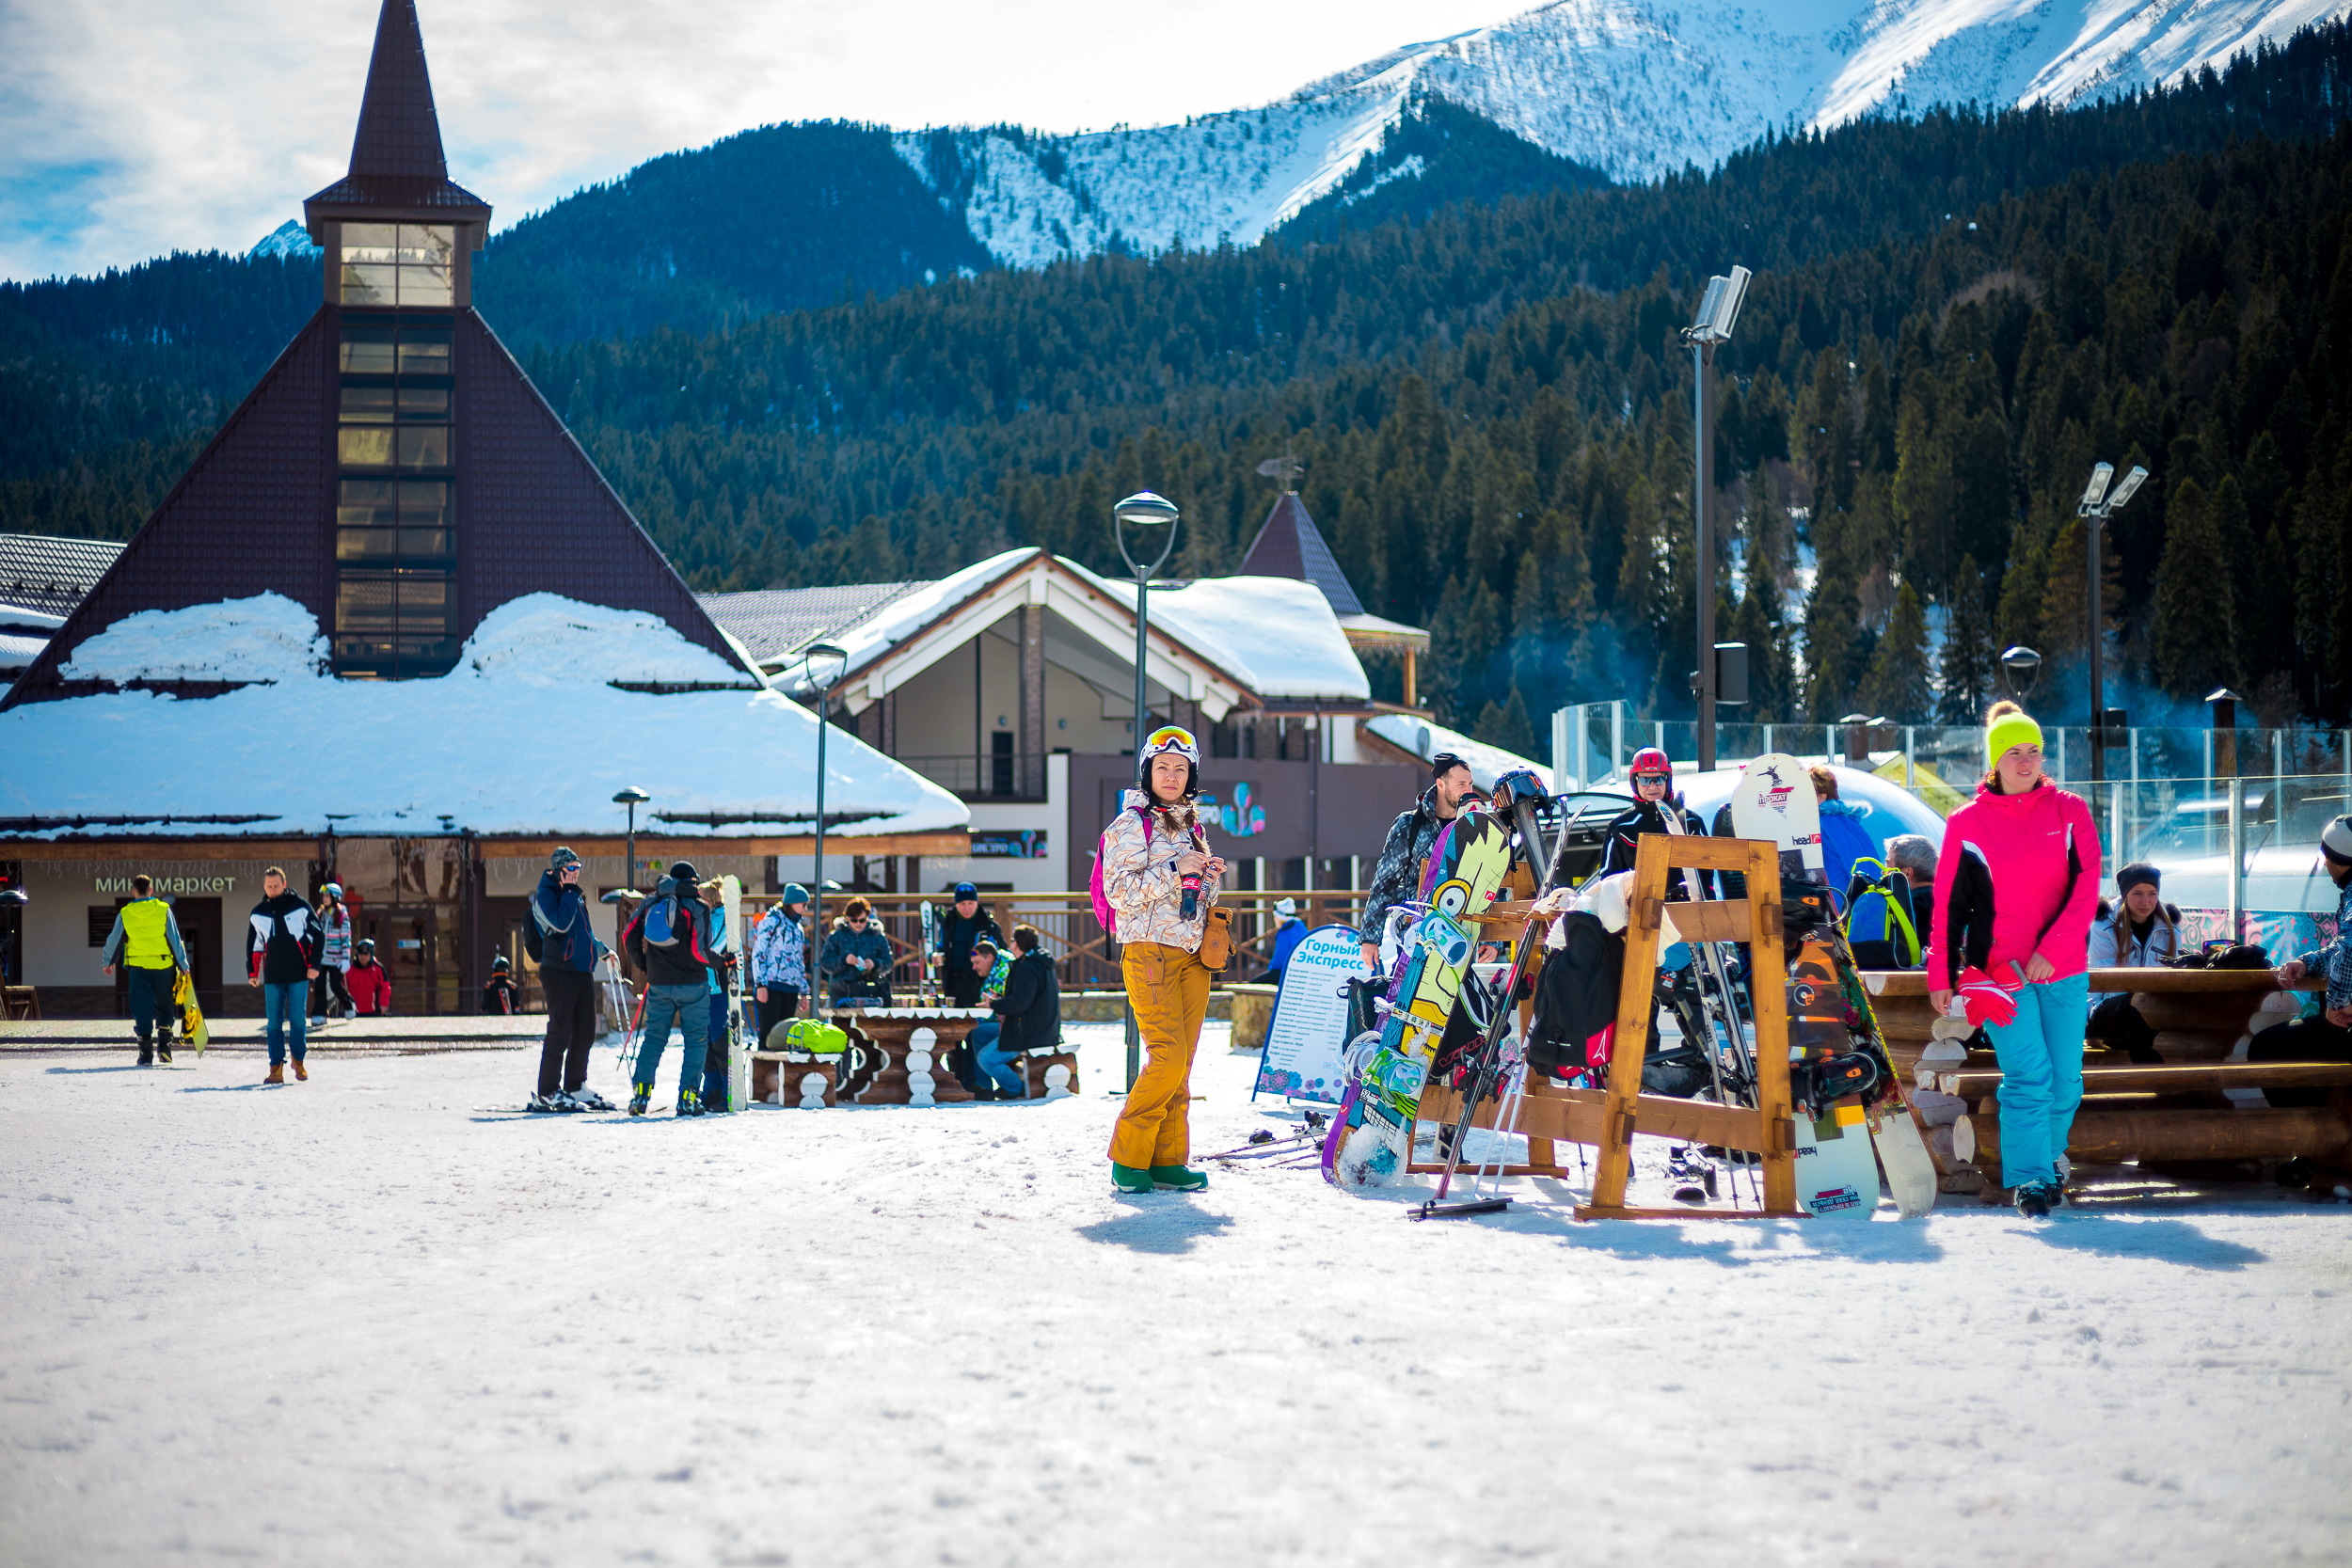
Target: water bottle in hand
{"points": [[1192, 894]]}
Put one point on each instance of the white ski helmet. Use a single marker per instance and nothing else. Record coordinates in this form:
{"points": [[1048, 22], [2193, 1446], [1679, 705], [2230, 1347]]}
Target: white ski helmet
{"points": [[1166, 739]]}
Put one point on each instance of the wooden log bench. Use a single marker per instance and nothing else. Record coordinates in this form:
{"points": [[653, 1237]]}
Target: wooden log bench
{"points": [[798, 1080], [2187, 1110], [898, 1056]]}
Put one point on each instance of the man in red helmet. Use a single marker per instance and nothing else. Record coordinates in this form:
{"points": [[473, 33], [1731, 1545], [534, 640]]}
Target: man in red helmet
{"points": [[1653, 787]]}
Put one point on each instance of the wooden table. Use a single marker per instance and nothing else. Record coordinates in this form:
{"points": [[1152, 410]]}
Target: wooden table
{"points": [[897, 1057]]}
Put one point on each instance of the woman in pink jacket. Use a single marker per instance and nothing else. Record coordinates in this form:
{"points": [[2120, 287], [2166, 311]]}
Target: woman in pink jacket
{"points": [[2014, 892]]}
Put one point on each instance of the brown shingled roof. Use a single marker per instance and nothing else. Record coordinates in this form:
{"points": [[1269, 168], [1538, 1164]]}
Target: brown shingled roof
{"points": [[1290, 545], [396, 159]]}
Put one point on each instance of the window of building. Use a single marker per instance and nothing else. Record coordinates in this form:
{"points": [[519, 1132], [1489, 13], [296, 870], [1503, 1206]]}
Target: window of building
{"points": [[399, 264], [396, 518]]}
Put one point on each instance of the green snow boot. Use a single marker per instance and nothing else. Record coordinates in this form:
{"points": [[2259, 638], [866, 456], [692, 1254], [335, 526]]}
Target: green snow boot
{"points": [[1130, 1178], [1179, 1178], [689, 1103], [641, 1099]]}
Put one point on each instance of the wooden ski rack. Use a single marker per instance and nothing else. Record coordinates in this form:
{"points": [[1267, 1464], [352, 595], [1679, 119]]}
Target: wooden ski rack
{"points": [[1767, 1131]]}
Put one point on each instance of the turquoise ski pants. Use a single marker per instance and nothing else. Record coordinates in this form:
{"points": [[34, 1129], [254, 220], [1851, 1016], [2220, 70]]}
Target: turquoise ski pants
{"points": [[2041, 1076]]}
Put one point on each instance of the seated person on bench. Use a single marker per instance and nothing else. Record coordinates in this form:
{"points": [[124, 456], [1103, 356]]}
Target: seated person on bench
{"points": [[1028, 1016], [2140, 932], [2327, 1037]]}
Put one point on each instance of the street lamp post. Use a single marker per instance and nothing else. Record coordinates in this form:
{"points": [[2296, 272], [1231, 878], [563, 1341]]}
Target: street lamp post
{"points": [[1144, 510], [1717, 311], [632, 798], [820, 666], [2093, 509], [2020, 667]]}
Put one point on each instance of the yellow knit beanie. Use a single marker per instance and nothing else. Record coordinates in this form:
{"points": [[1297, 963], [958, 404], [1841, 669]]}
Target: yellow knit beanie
{"points": [[2008, 727]]}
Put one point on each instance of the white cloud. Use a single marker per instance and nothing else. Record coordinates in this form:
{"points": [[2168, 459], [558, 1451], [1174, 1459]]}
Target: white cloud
{"points": [[129, 128]]}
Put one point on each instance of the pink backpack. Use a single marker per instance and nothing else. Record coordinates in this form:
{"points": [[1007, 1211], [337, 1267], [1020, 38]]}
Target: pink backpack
{"points": [[1104, 915]]}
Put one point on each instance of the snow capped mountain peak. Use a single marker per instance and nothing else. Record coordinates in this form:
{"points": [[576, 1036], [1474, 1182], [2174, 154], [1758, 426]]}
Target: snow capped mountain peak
{"points": [[288, 239], [1634, 89]]}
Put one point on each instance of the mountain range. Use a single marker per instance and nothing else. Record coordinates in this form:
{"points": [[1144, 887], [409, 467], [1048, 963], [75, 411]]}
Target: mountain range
{"points": [[1571, 93]]}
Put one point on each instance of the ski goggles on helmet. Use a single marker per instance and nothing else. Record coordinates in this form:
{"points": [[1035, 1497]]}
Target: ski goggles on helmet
{"points": [[1169, 738]]}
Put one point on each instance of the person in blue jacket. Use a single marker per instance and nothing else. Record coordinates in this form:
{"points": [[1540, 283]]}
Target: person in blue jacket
{"points": [[568, 951], [1844, 838], [1289, 932]]}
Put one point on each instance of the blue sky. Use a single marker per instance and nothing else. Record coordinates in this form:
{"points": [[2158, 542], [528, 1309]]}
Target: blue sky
{"points": [[129, 128]]}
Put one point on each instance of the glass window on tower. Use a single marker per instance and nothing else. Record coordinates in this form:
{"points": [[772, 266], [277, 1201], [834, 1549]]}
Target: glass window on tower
{"points": [[399, 264], [395, 515]]}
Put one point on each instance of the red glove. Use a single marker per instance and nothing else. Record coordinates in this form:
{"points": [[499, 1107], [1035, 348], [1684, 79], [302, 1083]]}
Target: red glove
{"points": [[1985, 999]]}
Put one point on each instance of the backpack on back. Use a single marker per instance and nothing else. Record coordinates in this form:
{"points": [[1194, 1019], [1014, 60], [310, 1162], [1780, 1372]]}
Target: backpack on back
{"points": [[665, 922]]}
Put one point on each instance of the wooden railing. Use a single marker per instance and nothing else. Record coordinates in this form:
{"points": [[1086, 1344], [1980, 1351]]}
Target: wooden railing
{"points": [[1081, 952]]}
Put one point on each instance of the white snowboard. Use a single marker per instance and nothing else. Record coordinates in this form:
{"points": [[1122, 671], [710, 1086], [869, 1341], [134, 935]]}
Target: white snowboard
{"points": [[1773, 800], [1836, 1176]]}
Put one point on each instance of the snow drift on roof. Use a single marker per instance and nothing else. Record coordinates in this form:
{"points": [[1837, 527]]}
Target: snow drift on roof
{"points": [[901, 618], [1425, 740], [523, 736], [265, 637], [1276, 635]]}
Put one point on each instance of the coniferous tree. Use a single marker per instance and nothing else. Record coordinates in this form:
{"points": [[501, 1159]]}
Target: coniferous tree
{"points": [[1896, 685], [1966, 676], [2193, 636]]}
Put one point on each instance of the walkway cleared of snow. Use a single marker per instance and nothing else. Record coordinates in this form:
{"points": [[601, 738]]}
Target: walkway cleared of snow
{"points": [[358, 1320]]}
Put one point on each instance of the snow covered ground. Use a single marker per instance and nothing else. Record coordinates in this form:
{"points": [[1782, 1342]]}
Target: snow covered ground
{"points": [[359, 1321]]}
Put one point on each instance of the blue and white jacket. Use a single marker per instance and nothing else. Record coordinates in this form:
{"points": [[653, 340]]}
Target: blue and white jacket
{"points": [[2334, 961], [780, 951]]}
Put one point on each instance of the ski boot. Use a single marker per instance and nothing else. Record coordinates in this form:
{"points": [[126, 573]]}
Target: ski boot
{"points": [[147, 1052], [714, 1096], [689, 1103], [1127, 1178], [1177, 1178], [543, 1105], [2033, 1199], [585, 1098], [1691, 1178], [163, 1051], [639, 1100]]}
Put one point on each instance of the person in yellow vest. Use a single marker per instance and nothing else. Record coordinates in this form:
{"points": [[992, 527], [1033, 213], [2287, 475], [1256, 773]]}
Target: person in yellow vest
{"points": [[146, 941]]}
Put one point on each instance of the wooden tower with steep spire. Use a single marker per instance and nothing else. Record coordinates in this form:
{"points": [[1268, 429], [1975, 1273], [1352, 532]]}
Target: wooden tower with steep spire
{"points": [[394, 471]]}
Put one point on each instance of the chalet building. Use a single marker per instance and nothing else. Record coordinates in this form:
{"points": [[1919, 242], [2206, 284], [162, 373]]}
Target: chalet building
{"points": [[1011, 683], [393, 628]]}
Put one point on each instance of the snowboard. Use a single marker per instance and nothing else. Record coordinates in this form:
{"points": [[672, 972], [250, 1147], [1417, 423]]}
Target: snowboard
{"points": [[1838, 1172], [928, 988], [1903, 1148], [738, 1035], [1773, 801], [193, 1028], [1374, 1144]]}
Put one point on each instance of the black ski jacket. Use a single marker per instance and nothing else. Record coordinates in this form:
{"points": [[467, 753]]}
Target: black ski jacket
{"points": [[1031, 1005], [282, 942], [1396, 880], [685, 962], [1648, 816]]}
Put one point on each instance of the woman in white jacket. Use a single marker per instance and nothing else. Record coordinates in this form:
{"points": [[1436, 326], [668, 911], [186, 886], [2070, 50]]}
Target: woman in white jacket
{"points": [[2141, 933]]}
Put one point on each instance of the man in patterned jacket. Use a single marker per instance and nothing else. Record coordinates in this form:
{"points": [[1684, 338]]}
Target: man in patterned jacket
{"points": [[2328, 1037], [1411, 838]]}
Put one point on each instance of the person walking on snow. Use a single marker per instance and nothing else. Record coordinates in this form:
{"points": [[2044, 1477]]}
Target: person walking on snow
{"points": [[1151, 850], [568, 951], [780, 961], [371, 986], [1412, 838], [333, 990], [281, 958], [146, 942], [964, 928], [2014, 899], [670, 940]]}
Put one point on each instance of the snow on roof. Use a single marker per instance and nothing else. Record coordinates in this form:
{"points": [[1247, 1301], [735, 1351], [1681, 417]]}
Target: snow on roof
{"points": [[1277, 635], [896, 620], [526, 735], [1425, 740]]}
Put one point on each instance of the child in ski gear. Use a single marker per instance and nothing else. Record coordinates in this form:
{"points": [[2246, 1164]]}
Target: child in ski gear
{"points": [[568, 951], [371, 986], [2328, 1037], [281, 958], [1154, 847], [670, 940], [1289, 931], [1397, 877], [1653, 777], [780, 959], [332, 994], [962, 927], [857, 959], [500, 995], [2139, 931], [2013, 899], [146, 942]]}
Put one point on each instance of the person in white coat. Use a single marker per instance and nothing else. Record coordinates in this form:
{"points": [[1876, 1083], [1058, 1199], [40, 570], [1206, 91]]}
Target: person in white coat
{"points": [[2140, 932]]}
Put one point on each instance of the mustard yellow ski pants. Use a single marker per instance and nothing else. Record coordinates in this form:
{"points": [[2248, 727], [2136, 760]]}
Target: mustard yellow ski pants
{"points": [[1168, 989]]}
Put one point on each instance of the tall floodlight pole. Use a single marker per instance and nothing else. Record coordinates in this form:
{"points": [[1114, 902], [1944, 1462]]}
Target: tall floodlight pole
{"points": [[820, 666], [1717, 311], [1144, 510], [2093, 509], [632, 798]]}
